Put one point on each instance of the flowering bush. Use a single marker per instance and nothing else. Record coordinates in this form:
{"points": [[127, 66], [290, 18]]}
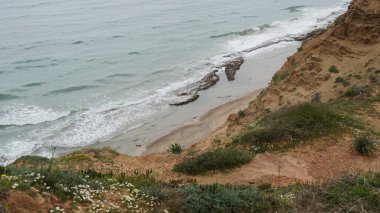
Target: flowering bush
{"points": [[104, 192]]}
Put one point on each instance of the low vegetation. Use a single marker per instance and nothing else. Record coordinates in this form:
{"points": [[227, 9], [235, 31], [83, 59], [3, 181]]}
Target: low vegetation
{"points": [[84, 187], [355, 91], [142, 192], [350, 193], [333, 69], [175, 149], [281, 76], [294, 125], [241, 113], [28, 159], [342, 81], [220, 159], [364, 144], [219, 198]]}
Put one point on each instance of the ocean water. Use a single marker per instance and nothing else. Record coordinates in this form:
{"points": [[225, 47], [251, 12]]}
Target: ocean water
{"points": [[77, 72]]}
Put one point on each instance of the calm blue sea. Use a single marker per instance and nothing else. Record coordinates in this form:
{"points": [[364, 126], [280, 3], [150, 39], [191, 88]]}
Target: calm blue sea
{"points": [[75, 72]]}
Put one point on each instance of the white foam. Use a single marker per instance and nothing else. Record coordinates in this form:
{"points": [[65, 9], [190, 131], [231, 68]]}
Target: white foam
{"points": [[311, 19], [98, 123], [20, 114], [12, 150]]}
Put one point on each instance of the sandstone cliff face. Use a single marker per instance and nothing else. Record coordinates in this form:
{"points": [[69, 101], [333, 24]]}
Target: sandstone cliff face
{"points": [[351, 44], [361, 23]]}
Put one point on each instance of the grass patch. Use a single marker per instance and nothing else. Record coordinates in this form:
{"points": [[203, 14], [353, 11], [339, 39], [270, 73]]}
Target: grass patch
{"points": [[294, 124], [281, 76], [349, 193], [241, 113], [75, 157], [342, 81], [218, 198], [355, 91], [364, 144], [32, 160], [333, 69], [220, 159], [175, 149]]}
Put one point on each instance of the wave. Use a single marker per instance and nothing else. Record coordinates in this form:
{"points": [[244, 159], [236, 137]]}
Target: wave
{"points": [[34, 84], [286, 31], [117, 36], [7, 97], [295, 8], [239, 33], [134, 53], [250, 17], [159, 72], [28, 61], [16, 90], [69, 89], [123, 75], [14, 150], [78, 42], [21, 115], [36, 63], [36, 66]]}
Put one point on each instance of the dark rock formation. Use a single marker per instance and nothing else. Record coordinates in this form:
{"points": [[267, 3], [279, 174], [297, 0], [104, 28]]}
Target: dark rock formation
{"points": [[232, 67], [209, 80], [193, 98]]}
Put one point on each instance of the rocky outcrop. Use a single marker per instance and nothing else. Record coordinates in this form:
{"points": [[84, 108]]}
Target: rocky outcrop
{"points": [[208, 81], [232, 67], [192, 98]]}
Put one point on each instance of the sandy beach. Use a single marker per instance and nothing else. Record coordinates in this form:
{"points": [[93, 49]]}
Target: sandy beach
{"points": [[194, 122]]}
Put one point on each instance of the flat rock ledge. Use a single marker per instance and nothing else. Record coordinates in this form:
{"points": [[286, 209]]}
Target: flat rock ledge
{"points": [[209, 80]]}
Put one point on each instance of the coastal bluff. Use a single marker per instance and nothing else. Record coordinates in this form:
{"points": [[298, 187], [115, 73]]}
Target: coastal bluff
{"points": [[306, 143]]}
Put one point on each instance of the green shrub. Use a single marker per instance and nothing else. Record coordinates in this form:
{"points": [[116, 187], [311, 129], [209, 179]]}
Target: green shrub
{"points": [[352, 193], [263, 135], [241, 113], [343, 81], [281, 76], [53, 178], [218, 198], [2, 170], [373, 79], [333, 69], [300, 122], [175, 149], [34, 160], [220, 159], [364, 144], [76, 157], [217, 141], [142, 179], [4, 186], [355, 91]]}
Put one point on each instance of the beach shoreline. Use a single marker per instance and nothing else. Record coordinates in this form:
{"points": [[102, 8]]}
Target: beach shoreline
{"points": [[202, 128], [194, 122]]}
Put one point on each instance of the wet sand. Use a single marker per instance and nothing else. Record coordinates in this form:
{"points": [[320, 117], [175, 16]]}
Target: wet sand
{"points": [[194, 122], [204, 126]]}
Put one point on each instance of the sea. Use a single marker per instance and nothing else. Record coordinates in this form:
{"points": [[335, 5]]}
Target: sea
{"points": [[78, 72]]}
